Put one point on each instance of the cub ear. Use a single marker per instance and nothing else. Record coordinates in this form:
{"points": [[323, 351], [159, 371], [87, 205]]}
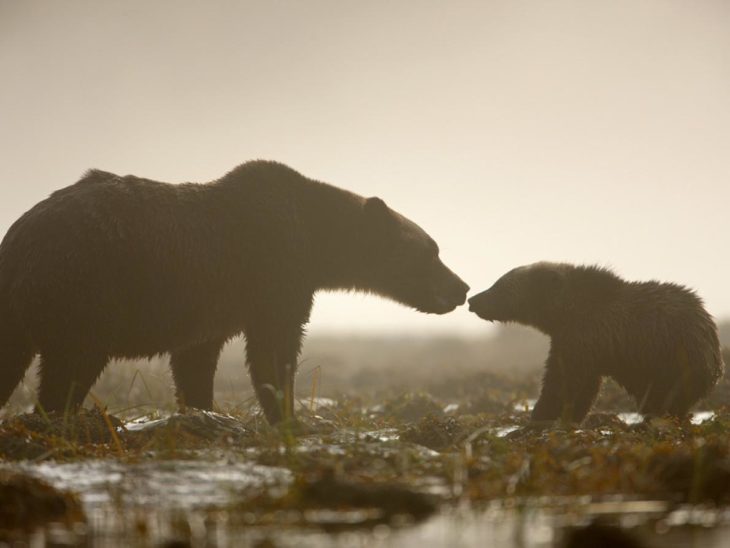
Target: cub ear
{"points": [[375, 208]]}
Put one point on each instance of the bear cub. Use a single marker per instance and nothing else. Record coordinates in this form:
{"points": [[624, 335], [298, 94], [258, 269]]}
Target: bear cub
{"points": [[655, 339]]}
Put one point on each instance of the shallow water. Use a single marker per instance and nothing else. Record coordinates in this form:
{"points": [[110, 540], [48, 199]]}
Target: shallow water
{"points": [[539, 524], [187, 500], [195, 500], [141, 502], [173, 484]]}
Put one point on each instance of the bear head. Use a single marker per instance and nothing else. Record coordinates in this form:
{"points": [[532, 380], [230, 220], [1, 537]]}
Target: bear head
{"points": [[547, 296], [401, 262]]}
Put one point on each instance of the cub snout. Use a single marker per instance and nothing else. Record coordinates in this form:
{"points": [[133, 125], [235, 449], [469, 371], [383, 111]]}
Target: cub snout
{"points": [[480, 305]]}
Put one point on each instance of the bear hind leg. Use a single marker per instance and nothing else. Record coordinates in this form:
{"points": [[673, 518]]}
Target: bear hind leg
{"points": [[16, 355], [674, 400], [193, 370], [66, 379]]}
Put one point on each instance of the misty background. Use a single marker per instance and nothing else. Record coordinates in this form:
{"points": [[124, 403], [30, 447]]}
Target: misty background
{"points": [[581, 131]]}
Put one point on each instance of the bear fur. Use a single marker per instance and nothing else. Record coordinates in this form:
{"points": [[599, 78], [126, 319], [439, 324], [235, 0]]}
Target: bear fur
{"points": [[655, 339], [124, 267]]}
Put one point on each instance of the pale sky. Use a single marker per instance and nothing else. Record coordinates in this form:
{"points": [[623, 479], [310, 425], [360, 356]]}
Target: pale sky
{"points": [[581, 131]]}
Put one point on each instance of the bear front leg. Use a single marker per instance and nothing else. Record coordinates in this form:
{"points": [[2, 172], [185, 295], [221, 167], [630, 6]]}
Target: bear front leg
{"points": [[568, 391], [193, 370], [272, 361]]}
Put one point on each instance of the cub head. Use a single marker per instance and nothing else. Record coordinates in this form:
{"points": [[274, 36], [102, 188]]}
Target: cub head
{"points": [[530, 295], [548, 296], [401, 262]]}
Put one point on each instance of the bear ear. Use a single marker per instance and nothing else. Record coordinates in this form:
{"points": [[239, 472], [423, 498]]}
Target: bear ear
{"points": [[375, 207]]}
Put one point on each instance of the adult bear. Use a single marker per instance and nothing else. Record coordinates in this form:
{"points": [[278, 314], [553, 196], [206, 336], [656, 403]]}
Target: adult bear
{"points": [[655, 339], [115, 267]]}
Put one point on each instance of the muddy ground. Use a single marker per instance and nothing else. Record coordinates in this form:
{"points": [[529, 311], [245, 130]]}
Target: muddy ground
{"points": [[391, 457]]}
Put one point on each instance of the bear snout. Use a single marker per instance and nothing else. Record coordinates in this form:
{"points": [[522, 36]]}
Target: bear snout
{"points": [[463, 289], [458, 293], [448, 297], [448, 292]]}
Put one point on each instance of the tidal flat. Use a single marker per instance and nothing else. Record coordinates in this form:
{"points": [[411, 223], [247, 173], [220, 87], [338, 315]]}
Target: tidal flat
{"points": [[451, 462]]}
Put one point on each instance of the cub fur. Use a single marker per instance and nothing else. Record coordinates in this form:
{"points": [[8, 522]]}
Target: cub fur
{"points": [[655, 339]]}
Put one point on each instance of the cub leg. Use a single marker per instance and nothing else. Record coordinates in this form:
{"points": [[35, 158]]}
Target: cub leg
{"points": [[568, 392]]}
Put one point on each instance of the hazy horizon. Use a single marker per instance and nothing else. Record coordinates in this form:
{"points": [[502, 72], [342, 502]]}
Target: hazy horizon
{"points": [[588, 132]]}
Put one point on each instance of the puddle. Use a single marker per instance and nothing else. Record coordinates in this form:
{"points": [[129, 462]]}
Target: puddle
{"points": [[151, 493], [203, 424], [350, 436], [630, 417], [697, 417], [503, 431], [315, 404], [385, 442], [174, 484], [145, 423], [224, 483], [537, 526], [142, 502], [451, 408], [525, 406]]}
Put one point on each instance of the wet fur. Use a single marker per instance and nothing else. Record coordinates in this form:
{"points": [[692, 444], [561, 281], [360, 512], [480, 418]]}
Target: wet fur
{"points": [[128, 267], [655, 339]]}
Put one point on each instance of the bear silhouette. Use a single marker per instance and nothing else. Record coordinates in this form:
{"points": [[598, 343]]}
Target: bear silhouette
{"points": [[124, 267], [655, 339]]}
